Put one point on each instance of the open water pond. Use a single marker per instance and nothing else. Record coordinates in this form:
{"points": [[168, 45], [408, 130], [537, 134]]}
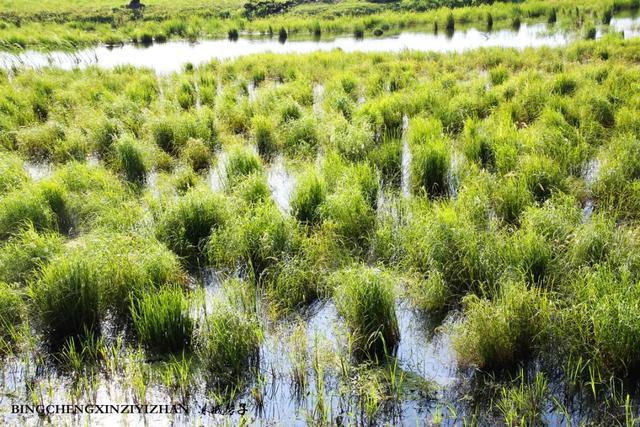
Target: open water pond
{"points": [[169, 57]]}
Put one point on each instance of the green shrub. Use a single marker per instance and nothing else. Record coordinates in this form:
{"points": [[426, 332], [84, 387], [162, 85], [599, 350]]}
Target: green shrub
{"points": [[162, 320], [365, 298], [450, 25]]}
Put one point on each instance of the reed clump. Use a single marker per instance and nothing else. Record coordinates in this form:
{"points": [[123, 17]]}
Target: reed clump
{"points": [[162, 321], [365, 299]]}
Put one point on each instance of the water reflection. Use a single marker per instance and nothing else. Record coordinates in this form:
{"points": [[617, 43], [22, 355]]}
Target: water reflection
{"points": [[182, 52]]}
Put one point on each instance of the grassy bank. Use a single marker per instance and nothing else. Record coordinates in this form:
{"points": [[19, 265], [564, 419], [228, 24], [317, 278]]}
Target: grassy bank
{"points": [[80, 24]]}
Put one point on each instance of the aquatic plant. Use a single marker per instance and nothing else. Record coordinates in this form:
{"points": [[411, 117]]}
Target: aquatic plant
{"points": [[186, 226], [67, 299], [497, 333], [541, 175], [228, 344], [196, 154], [12, 314], [263, 132], [350, 215], [308, 195], [131, 161], [241, 162], [365, 299], [162, 321], [25, 252], [293, 285], [430, 158], [12, 173]]}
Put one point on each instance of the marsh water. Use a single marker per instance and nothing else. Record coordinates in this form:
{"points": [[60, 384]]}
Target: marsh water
{"points": [[165, 58]]}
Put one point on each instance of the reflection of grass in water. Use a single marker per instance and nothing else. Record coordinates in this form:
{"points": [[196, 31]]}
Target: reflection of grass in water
{"points": [[94, 24]]}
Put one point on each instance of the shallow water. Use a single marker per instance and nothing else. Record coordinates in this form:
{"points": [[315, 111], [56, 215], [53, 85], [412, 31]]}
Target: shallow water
{"points": [[281, 183], [592, 169], [182, 52], [38, 171], [406, 158]]}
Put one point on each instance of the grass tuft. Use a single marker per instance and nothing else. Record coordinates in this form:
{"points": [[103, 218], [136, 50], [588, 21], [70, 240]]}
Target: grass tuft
{"points": [[162, 320], [365, 299]]}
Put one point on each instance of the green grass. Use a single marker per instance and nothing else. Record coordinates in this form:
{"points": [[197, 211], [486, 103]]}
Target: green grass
{"points": [[43, 25], [228, 340], [497, 333], [12, 314], [12, 173], [263, 131], [67, 299], [430, 158], [162, 321], [196, 154], [366, 300], [22, 255], [350, 215], [186, 226], [308, 195], [523, 272], [130, 160], [241, 162]]}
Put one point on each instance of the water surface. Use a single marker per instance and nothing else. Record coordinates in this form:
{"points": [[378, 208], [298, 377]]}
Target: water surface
{"points": [[166, 58]]}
